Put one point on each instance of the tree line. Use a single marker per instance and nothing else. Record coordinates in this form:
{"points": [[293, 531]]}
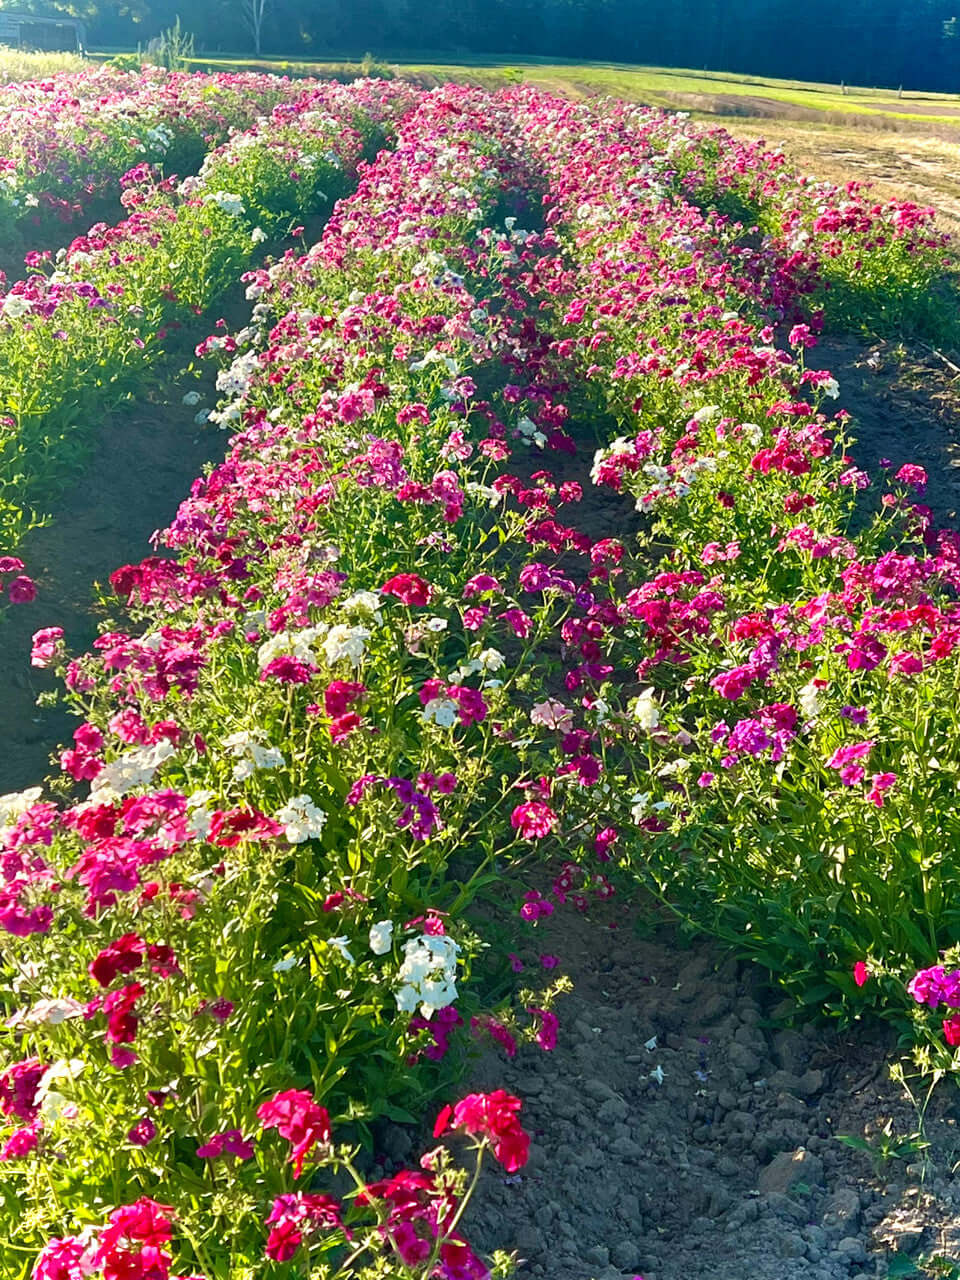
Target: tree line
{"points": [[884, 43]]}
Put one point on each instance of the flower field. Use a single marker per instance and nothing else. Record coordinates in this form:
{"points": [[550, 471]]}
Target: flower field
{"points": [[536, 571]]}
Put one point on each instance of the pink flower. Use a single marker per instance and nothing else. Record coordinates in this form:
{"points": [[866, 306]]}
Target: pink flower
{"points": [[298, 1118], [861, 973], [46, 646], [142, 1133], [533, 820], [849, 754], [547, 1032], [230, 1141], [881, 784], [409, 588], [20, 1143], [22, 590]]}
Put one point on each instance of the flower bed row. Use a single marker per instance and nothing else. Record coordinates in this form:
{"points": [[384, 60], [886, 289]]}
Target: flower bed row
{"points": [[303, 766], [77, 334], [390, 659], [790, 663], [68, 140]]}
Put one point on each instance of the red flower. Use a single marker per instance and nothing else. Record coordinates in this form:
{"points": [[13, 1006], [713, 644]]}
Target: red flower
{"points": [[860, 973], [951, 1030], [298, 1118], [122, 956], [493, 1116], [409, 588]]}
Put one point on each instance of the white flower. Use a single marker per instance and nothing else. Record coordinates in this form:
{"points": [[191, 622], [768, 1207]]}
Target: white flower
{"points": [[491, 659], [251, 754], [14, 803], [340, 944], [131, 769], [346, 642], [302, 819], [428, 974], [442, 711], [365, 602], [381, 937], [709, 413], [258, 235], [810, 700], [296, 644], [231, 204], [284, 965], [831, 388], [48, 1013], [645, 710], [15, 306], [641, 803]]}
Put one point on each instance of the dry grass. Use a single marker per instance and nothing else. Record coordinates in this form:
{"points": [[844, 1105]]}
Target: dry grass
{"points": [[900, 166], [15, 64]]}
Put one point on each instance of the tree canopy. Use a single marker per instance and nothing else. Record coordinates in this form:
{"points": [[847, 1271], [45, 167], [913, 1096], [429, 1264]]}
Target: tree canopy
{"points": [[887, 43]]}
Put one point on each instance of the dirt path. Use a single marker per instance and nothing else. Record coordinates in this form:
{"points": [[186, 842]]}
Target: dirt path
{"points": [[727, 1168], [146, 457]]}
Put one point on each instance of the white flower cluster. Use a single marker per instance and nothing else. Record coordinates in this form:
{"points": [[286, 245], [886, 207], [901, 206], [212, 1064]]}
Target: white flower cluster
{"points": [[15, 306], [531, 433], [428, 974], [49, 1013], [230, 203], [645, 710], [441, 711], [434, 356], [302, 819], [345, 642], [552, 714], [251, 754], [236, 380], [298, 644], [14, 803], [367, 603], [381, 937], [198, 823], [159, 136], [130, 770]]}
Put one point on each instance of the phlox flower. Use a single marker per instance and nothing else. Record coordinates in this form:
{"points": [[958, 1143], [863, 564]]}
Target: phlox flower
{"points": [[533, 820], [546, 1035], [300, 1119], [47, 646], [381, 937], [409, 588], [65, 1258], [231, 1142], [428, 974], [494, 1116], [345, 643], [302, 819]]}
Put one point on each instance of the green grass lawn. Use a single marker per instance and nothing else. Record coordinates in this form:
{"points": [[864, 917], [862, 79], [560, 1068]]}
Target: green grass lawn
{"points": [[659, 86]]}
